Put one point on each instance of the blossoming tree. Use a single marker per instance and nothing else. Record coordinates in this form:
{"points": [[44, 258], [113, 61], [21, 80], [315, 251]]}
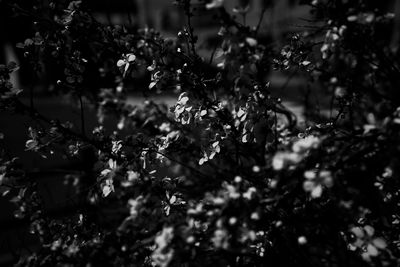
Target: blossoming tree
{"points": [[226, 176]]}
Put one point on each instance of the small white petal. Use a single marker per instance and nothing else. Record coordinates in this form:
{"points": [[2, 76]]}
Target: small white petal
{"points": [[316, 192], [372, 251], [184, 100], [358, 232], [120, 63], [379, 243], [369, 230], [131, 57]]}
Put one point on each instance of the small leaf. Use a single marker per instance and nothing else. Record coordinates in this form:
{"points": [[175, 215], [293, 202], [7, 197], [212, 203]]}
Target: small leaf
{"points": [[152, 84], [31, 144], [241, 112]]}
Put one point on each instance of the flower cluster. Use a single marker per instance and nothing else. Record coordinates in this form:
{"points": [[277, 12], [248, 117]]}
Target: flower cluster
{"points": [[284, 159], [316, 180], [366, 242], [163, 254]]}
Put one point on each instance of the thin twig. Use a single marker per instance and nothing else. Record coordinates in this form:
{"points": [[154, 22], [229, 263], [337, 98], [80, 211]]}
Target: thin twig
{"points": [[82, 115], [260, 19]]}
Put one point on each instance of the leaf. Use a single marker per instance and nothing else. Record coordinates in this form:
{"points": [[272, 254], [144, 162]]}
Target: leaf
{"points": [[108, 187], [31, 144], [28, 42], [241, 112], [219, 53], [5, 192], [152, 84], [202, 160], [12, 66]]}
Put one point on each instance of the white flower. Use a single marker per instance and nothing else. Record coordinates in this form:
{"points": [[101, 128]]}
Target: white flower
{"points": [[220, 239], [112, 164], [134, 206], [302, 240], [126, 61], [163, 256], [31, 145], [315, 181], [165, 127], [282, 159], [302, 145], [107, 187], [132, 175], [251, 41], [366, 241], [215, 4], [249, 193], [116, 146]]}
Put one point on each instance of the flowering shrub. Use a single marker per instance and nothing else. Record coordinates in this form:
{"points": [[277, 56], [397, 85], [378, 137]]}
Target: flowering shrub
{"points": [[226, 176]]}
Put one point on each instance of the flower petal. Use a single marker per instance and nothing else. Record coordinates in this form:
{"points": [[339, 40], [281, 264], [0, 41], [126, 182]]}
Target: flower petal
{"points": [[379, 243], [131, 57], [120, 63], [358, 232], [369, 230], [316, 192], [372, 250]]}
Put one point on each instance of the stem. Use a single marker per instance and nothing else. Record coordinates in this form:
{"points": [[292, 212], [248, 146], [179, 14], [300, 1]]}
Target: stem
{"points": [[260, 19], [213, 54], [276, 130], [191, 30], [82, 115]]}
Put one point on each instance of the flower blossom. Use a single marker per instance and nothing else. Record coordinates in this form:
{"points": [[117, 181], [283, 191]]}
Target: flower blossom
{"points": [[367, 242], [162, 256], [107, 185], [215, 4], [316, 181], [127, 60], [284, 159]]}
